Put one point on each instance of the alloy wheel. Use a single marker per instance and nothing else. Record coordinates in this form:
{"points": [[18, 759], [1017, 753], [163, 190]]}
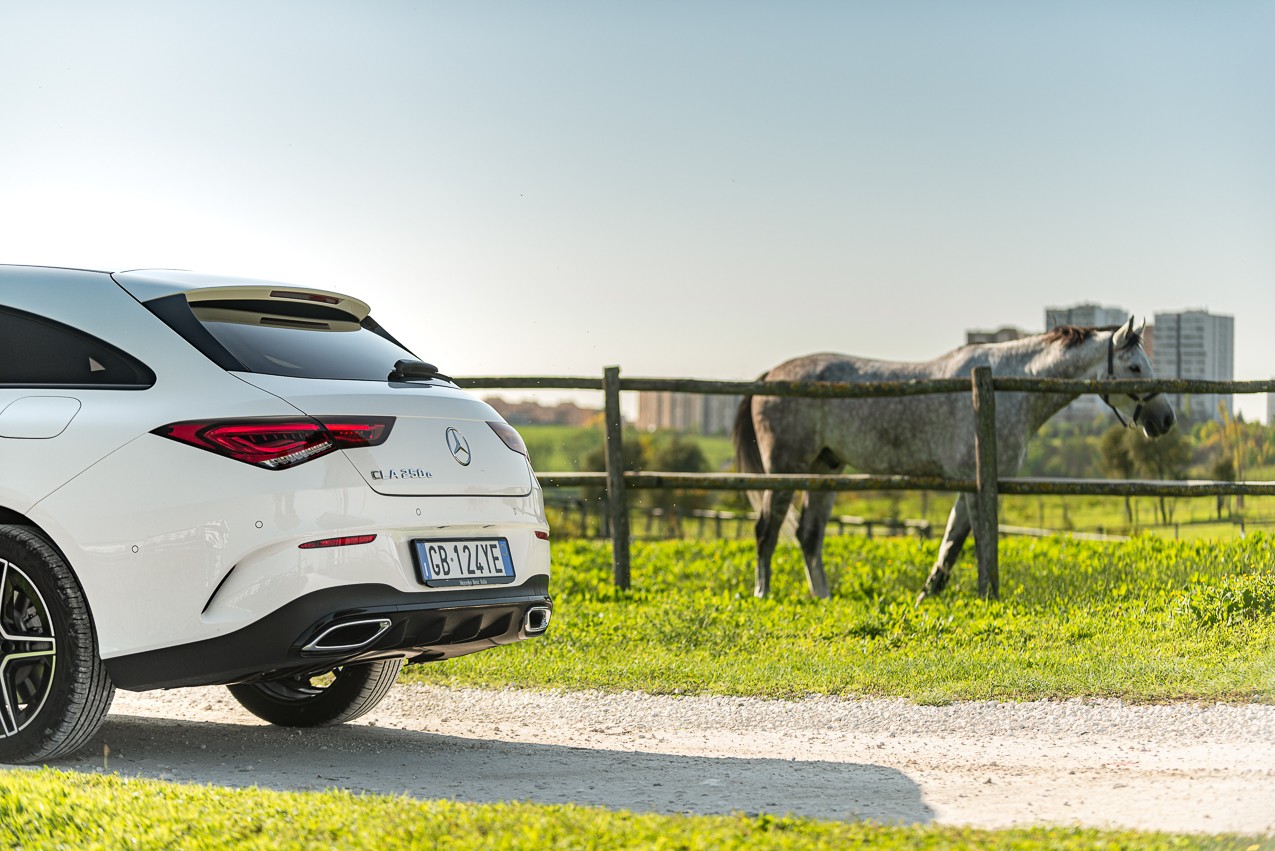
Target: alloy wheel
{"points": [[28, 650]]}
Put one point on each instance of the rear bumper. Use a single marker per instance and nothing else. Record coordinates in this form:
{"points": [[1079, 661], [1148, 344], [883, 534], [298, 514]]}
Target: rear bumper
{"points": [[387, 623]]}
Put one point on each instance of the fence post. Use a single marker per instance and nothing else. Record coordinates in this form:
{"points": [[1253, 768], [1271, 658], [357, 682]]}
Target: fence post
{"points": [[985, 498], [617, 501]]}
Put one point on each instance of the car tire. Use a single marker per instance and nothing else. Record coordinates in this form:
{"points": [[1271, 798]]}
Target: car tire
{"points": [[306, 701], [54, 690]]}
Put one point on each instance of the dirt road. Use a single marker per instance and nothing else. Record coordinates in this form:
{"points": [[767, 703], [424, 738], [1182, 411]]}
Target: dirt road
{"points": [[1096, 763]]}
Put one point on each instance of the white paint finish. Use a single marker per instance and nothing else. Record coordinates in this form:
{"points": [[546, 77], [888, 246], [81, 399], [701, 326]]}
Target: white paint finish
{"points": [[193, 517], [152, 526], [37, 417], [417, 444]]}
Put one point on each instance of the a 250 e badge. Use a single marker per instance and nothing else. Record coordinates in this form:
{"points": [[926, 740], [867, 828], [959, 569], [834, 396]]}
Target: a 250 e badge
{"points": [[405, 473]]}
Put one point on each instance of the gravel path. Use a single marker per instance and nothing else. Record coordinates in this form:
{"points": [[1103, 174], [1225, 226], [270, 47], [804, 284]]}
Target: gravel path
{"points": [[1095, 763]]}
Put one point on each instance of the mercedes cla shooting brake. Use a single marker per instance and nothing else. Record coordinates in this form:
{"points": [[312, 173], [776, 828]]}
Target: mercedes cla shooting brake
{"points": [[209, 480]]}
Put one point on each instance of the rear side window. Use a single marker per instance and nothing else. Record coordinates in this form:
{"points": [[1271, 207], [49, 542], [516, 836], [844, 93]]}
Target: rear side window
{"points": [[302, 340], [38, 352]]}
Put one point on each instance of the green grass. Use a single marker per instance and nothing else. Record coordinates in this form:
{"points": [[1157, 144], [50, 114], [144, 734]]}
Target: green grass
{"points": [[54, 810], [1145, 620], [559, 448], [1194, 517]]}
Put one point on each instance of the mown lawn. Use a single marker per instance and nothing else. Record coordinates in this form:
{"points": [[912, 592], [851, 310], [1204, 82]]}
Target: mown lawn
{"points": [[54, 810], [1144, 620]]}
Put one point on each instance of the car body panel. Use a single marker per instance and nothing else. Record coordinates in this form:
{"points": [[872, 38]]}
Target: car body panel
{"points": [[416, 460], [182, 552], [37, 417]]}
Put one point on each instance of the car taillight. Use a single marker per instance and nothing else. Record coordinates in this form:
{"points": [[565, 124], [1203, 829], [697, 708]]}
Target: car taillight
{"points": [[277, 443], [352, 432], [510, 436]]}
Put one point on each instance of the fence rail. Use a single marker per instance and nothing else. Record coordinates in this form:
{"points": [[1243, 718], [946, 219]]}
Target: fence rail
{"points": [[986, 485], [1013, 486], [842, 390]]}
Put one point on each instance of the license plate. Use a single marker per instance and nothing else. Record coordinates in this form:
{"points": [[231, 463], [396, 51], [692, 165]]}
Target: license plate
{"points": [[464, 561]]}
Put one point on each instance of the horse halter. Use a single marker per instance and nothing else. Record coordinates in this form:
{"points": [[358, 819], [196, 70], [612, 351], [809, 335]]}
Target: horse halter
{"points": [[1111, 373]]}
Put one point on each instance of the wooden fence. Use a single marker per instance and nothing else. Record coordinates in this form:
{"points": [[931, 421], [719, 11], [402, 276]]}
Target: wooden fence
{"points": [[986, 484]]}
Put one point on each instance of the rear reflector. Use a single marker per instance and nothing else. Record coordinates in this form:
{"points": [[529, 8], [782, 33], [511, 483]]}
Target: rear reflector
{"points": [[542, 534], [277, 443], [347, 541]]}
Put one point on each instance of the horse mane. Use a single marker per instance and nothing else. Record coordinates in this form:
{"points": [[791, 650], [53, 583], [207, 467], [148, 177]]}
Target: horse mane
{"points": [[1074, 335], [1069, 335]]}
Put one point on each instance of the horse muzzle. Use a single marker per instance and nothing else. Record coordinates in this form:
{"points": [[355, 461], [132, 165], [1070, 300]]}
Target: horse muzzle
{"points": [[1155, 415]]}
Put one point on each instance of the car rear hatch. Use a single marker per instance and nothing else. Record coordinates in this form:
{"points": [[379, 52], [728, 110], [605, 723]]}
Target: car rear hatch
{"points": [[440, 443], [323, 353]]}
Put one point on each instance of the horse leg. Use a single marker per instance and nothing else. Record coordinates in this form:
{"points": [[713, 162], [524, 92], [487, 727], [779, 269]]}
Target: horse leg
{"points": [[770, 520], [814, 521], [958, 529]]}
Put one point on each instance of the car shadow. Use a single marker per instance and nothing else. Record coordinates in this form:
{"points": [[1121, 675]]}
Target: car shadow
{"points": [[427, 765]]}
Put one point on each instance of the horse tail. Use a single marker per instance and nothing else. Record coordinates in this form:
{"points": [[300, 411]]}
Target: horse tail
{"points": [[747, 453], [744, 435]]}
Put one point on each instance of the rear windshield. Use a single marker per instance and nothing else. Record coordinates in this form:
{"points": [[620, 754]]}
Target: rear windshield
{"points": [[352, 351], [277, 338]]}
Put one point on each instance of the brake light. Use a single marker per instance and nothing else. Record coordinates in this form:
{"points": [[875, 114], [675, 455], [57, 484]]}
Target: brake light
{"points": [[324, 299], [277, 443]]}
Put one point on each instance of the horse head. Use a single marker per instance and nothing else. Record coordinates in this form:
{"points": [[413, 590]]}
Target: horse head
{"points": [[1127, 359]]}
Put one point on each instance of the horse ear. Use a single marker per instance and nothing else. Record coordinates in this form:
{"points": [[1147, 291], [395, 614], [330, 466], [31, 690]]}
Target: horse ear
{"points": [[1124, 335], [1141, 328]]}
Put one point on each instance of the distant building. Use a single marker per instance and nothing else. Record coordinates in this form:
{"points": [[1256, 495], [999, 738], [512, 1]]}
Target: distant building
{"points": [[1270, 408], [1148, 342], [694, 413], [1086, 315], [1001, 335], [1088, 406], [1199, 345]]}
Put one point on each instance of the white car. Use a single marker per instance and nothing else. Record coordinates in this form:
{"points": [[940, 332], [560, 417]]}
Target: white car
{"points": [[209, 480]]}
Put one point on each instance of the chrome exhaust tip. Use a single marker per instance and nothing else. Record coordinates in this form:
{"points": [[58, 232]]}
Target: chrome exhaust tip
{"points": [[537, 620], [352, 635]]}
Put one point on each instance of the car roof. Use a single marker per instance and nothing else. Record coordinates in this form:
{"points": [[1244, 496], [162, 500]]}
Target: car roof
{"points": [[149, 284]]}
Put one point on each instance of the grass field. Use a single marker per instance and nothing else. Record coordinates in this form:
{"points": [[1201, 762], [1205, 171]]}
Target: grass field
{"points": [[53, 810], [1144, 620]]}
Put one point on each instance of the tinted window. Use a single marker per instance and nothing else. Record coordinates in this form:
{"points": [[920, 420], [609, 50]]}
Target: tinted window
{"points": [[302, 346], [35, 351]]}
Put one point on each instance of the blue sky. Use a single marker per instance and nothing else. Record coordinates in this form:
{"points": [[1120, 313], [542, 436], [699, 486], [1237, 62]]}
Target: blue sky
{"points": [[680, 188]]}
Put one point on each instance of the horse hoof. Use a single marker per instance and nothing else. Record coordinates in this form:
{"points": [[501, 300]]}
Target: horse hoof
{"points": [[932, 587]]}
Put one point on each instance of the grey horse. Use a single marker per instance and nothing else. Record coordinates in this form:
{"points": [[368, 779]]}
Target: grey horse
{"points": [[920, 435]]}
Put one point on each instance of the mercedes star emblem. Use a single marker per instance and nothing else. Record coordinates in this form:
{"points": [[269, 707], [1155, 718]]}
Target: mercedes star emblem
{"points": [[459, 447]]}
